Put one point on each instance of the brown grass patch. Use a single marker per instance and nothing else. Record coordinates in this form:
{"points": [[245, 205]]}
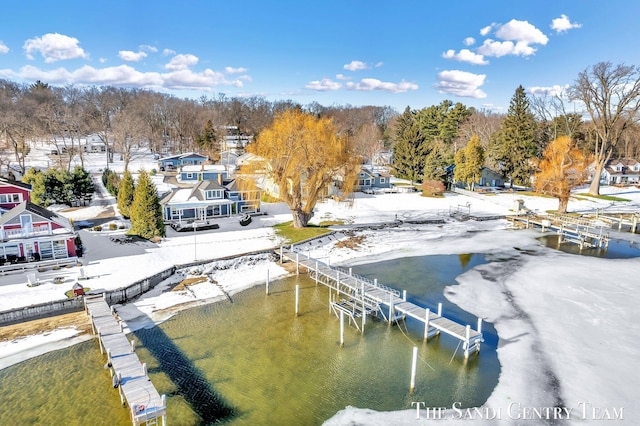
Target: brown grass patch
{"points": [[80, 320], [189, 281], [352, 243]]}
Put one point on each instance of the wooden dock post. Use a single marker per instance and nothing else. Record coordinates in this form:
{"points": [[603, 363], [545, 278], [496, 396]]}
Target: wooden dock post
{"points": [[390, 308], [479, 329], [404, 295], [281, 258], [364, 309], [341, 329], [297, 295], [426, 324], [297, 263], [467, 331], [316, 277], [414, 366], [267, 283], [133, 346], [440, 309]]}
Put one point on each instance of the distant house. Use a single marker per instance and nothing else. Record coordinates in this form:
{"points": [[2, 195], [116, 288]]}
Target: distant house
{"points": [[621, 171], [31, 233], [488, 177], [213, 172], [176, 161], [372, 179], [13, 193]]}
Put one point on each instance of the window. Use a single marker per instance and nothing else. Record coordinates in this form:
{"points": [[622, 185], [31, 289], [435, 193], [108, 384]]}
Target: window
{"points": [[382, 180], [213, 194], [189, 175], [10, 198]]}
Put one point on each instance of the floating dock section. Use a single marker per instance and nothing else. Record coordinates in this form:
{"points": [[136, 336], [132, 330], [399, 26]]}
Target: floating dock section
{"points": [[358, 297], [128, 374]]}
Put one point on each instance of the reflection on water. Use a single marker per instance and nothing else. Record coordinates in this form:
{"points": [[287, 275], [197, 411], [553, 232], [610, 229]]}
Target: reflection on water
{"points": [[264, 364], [617, 249]]}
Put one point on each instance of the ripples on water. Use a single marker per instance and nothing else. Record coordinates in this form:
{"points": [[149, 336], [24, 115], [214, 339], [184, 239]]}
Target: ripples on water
{"points": [[254, 362]]}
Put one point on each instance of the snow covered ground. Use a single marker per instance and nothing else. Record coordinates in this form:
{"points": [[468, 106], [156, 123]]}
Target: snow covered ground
{"points": [[567, 324]]}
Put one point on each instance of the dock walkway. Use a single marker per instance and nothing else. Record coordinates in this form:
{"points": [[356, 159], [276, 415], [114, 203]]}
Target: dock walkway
{"points": [[581, 231], [129, 374], [368, 297]]}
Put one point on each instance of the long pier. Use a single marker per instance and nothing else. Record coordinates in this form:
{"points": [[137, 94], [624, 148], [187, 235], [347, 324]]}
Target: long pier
{"points": [[364, 297], [129, 375]]}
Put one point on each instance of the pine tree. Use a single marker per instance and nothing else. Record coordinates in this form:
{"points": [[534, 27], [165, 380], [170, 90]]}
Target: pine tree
{"points": [[209, 142], [146, 212], [125, 194], [36, 179], [469, 162], [516, 147], [82, 183], [435, 165], [408, 153]]}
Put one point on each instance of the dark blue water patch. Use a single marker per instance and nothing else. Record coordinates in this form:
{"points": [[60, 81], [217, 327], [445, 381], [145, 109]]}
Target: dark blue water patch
{"points": [[424, 278], [617, 249]]}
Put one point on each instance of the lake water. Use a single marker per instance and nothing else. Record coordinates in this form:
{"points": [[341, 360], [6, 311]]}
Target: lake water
{"points": [[253, 362], [617, 249]]}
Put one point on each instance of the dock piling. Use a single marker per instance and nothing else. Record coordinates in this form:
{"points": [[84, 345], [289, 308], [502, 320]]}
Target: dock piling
{"points": [[414, 366]]}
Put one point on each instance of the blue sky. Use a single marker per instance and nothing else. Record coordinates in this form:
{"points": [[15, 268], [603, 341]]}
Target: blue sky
{"points": [[395, 53]]}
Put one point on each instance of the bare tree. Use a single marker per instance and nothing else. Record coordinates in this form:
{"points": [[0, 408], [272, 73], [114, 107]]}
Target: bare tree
{"points": [[611, 95]]}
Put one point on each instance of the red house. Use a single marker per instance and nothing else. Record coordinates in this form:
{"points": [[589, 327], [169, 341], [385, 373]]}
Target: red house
{"points": [[13, 193], [31, 233]]}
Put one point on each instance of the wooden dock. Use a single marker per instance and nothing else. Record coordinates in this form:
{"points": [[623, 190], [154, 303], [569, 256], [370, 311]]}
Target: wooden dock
{"points": [[358, 297], [581, 231], [128, 374]]}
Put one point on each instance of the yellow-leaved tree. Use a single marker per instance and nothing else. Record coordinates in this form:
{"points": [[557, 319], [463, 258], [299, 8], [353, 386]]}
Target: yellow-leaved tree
{"points": [[301, 156], [562, 167]]}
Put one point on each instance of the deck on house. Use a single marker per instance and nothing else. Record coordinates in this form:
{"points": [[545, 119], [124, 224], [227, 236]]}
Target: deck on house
{"points": [[365, 296], [135, 387]]}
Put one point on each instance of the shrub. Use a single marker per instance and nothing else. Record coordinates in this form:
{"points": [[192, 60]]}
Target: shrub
{"points": [[113, 227], [432, 188], [97, 228]]}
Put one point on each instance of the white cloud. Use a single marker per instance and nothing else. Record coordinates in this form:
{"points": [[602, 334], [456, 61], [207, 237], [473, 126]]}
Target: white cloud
{"points": [[517, 36], [521, 31], [379, 64], [323, 85], [555, 90], [102, 60], [168, 52], [148, 48], [129, 56], [563, 24], [465, 55], [461, 83], [342, 77], [355, 66], [369, 84], [469, 41], [3, 48], [231, 70], [54, 47], [486, 30], [125, 75], [182, 62]]}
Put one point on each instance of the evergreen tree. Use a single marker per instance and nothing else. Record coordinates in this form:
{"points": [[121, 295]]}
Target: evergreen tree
{"points": [[208, 141], [82, 185], [469, 162], [125, 194], [435, 165], [409, 151], [36, 179], [516, 147], [146, 212]]}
